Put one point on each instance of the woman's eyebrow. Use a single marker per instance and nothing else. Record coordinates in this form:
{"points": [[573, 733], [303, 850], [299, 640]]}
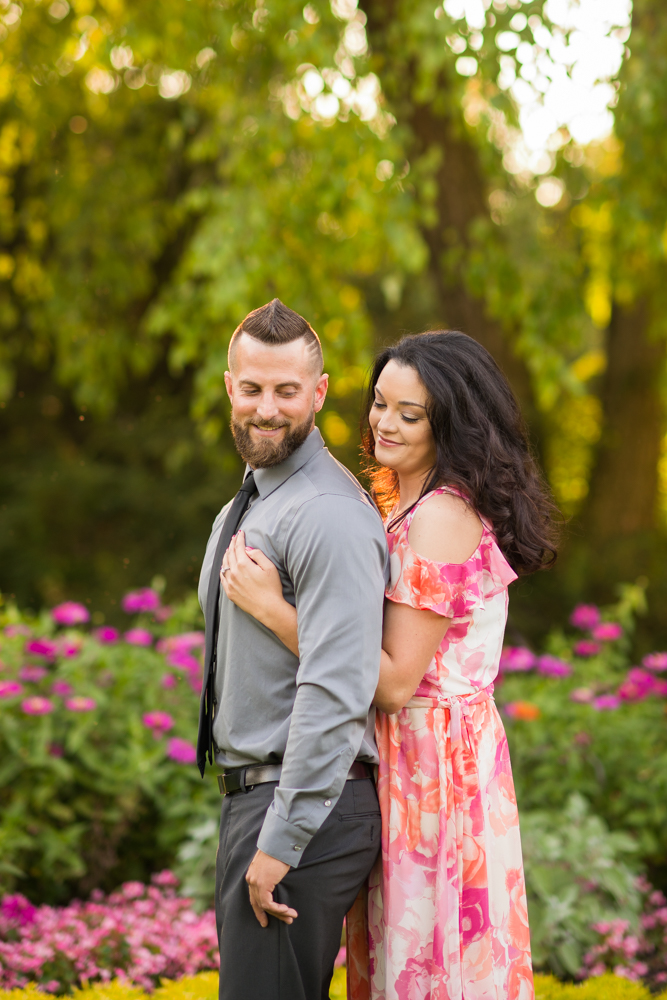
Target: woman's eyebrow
{"points": [[408, 402]]}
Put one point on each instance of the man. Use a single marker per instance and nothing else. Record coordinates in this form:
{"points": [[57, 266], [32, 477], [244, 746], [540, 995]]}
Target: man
{"points": [[300, 822]]}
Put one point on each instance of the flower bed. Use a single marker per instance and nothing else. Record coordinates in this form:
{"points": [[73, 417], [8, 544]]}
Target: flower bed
{"points": [[140, 933]]}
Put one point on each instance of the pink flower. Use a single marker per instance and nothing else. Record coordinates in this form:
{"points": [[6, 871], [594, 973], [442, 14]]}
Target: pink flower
{"points": [[551, 666], [138, 637], [61, 687], [14, 630], [582, 695], [585, 616], [516, 658], [181, 643], [163, 614], [70, 613], [183, 661], [32, 673], [36, 706], [159, 722], [655, 661], [638, 684], [606, 702], [80, 704], [586, 648], [42, 647], [69, 647], [8, 689], [165, 877], [132, 890], [137, 601], [181, 751], [607, 631], [17, 910], [56, 750], [341, 957], [106, 635], [169, 681]]}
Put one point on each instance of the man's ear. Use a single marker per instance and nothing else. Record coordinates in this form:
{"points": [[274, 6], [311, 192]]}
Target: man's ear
{"points": [[228, 383], [321, 392]]}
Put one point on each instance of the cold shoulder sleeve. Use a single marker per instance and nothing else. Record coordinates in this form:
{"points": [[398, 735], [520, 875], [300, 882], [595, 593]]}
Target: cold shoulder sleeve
{"points": [[453, 590]]}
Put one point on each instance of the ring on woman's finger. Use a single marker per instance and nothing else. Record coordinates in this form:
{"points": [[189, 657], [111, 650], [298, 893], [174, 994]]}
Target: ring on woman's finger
{"points": [[225, 569]]}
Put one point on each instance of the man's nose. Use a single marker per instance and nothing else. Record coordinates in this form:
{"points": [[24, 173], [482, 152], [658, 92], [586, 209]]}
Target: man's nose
{"points": [[267, 407]]}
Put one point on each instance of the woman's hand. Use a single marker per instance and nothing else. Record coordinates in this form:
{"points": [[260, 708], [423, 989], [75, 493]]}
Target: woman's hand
{"points": [[251, 581]]}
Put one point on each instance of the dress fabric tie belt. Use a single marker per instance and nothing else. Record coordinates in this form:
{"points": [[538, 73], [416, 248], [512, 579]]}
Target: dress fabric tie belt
{"points": [[463, 784]]}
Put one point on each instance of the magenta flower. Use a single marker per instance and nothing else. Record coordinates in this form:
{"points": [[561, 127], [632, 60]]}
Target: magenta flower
{"points": [[165, 877], [56, 750], [36, 706], [69, 647], [183, 661], [181, 751], [169, 682], [638, 684], [551, 666], [607, 631], [138, 637], [655, 661], [137, 601], [70, 613], [42, 647], [606, 702], [164, 613], [106, 635], [61, 687], [514, 658], [159, 722], [8, 689], [32, 673], [585, 616], [586, 648], [17, 910], [80, 704], [582, 695]]}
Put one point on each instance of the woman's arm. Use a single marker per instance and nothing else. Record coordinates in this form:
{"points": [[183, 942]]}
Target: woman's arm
{"points": [[252, 582], [410, 640]]}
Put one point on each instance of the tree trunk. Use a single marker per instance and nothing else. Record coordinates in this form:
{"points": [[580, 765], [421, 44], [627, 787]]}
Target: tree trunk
{"points": [[622, 498], [434, 122]]}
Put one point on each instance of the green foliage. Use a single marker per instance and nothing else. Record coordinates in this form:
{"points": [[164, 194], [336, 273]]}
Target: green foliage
{"points": [[89, 798], [577, 873]]}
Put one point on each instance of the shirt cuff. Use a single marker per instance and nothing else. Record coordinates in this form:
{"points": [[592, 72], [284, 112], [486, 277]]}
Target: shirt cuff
{"points": [[282, 840]]}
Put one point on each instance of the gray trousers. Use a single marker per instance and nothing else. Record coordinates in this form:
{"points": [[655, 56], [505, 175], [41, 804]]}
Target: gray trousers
{"points": [[294, 962]]}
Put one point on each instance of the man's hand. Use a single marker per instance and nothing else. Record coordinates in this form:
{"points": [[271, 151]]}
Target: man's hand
{"points": [[262, 877]]}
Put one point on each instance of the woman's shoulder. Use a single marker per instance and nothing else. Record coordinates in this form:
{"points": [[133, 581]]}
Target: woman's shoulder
{"points": [[445, 528]]}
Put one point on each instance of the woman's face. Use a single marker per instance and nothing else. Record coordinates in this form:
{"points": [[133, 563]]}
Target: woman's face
{"points": [[403, 437]]}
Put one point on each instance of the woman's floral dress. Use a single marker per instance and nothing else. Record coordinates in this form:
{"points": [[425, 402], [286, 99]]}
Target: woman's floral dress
{"points": [[447, 916]]}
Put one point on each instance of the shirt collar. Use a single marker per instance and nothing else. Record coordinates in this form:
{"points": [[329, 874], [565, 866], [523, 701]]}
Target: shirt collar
{"points": [[268, 480]]}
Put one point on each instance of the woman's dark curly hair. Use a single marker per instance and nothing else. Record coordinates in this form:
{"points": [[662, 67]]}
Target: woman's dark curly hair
{"points": [[481, 444]]}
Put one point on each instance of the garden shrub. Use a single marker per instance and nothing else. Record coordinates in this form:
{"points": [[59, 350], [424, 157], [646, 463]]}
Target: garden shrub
{"points": [[577, 875], [97, 776]]}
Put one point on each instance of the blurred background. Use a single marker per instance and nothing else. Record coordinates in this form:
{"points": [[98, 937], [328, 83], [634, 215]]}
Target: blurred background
{"points": [[383, 166], [494, 167]]}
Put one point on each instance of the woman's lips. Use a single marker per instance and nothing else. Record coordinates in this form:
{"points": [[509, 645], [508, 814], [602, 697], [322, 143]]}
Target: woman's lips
{"points": [[388, 444]]}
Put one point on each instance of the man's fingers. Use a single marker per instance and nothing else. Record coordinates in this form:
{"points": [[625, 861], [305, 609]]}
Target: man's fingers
{"points": [[259, 913]]}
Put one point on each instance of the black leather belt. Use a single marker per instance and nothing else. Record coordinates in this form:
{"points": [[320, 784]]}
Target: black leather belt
{"points": [[242, 779]]}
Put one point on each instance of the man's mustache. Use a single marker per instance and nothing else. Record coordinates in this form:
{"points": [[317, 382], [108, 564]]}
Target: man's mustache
{"points": [[267, 425]]}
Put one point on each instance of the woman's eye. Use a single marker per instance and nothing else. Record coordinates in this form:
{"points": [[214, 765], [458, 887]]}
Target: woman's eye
{"points": [[410, 420], [378, 405]]}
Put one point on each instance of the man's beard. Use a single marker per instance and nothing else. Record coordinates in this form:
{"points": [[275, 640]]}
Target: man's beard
{"points": [[265, 453]]}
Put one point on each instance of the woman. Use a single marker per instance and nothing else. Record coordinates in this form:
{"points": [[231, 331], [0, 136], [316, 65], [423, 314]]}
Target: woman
{"points": [[466, 513]]}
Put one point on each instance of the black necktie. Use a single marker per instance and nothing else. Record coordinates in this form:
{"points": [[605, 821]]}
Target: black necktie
{"points": [[207, 704]]}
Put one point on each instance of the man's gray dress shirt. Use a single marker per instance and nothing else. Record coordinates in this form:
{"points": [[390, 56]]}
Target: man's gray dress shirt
{"points": [[316, 524]]}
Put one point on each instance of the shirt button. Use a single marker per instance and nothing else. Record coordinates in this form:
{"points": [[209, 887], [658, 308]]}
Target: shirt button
{"points": [[296, 847], [328, 802]]}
